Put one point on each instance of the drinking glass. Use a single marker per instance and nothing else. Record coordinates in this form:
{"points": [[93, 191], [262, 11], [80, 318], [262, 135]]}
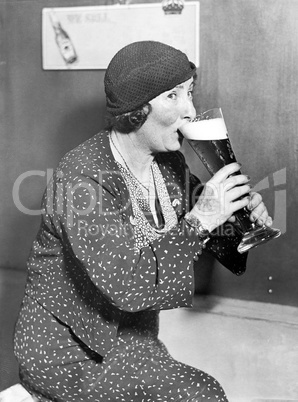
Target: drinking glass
{"points": [[208, 136]]}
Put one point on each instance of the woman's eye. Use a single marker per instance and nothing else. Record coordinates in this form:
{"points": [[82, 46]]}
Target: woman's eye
{"points": [[190, 94], [172, 95]]}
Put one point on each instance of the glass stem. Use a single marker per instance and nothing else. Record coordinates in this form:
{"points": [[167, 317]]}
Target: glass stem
{"points": [[243, 223]]}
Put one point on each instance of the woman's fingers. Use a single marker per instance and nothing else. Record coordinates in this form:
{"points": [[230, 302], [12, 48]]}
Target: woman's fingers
{"points": [[259, 212], [236, 180], [223, 195], [261, 219], [225, 172], [238, 192], [239, 204]]}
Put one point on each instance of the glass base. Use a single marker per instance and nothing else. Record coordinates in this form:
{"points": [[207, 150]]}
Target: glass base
{"points": [[256, 237]]}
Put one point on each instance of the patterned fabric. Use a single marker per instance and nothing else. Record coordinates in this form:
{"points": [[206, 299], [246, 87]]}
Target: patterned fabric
{"points": [[137, 369], [144, 231], [88, 291]]}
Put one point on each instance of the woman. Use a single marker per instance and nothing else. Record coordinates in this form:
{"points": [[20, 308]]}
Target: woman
{"points": [[117, 241]]}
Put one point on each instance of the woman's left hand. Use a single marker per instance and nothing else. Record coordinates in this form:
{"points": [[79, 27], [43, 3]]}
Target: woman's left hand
{"points": [[259, 213]]}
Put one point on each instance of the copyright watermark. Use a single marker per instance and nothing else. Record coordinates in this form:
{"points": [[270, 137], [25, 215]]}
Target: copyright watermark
{"points": [[77, 199]]}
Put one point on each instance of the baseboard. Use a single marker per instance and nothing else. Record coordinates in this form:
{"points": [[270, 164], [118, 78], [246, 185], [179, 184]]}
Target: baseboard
{"points": [[251, 310]]}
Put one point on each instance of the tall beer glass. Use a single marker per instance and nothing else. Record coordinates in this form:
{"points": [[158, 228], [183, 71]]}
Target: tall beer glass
{"points": [[208, 136]]}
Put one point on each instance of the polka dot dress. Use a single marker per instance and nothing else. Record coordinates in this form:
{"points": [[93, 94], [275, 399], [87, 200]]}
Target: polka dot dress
{"points": [[88, 325], [58, 367]]}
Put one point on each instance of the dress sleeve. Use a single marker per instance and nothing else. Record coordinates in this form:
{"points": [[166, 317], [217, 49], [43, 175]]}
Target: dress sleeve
{"points": [[93, 221], [223, 246]]}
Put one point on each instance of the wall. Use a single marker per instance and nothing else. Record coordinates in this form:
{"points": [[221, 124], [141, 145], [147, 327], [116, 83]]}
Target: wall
{"points": [[46, 113], [249, 59], [248, 67]]}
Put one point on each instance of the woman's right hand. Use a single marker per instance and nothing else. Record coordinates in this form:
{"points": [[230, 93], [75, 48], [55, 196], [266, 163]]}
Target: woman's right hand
{"points": [[222, 197]]}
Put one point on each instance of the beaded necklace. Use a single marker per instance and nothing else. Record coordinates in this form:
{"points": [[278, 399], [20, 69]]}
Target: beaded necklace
{"points": [[144, 232]]}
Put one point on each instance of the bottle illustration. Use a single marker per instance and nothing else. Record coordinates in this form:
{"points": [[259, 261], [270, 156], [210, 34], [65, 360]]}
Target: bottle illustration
{"points": [[63, 41]]}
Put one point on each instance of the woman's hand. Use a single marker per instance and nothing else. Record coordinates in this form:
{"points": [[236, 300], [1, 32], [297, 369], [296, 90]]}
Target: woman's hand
{"points": [[259, 213], [221, 198]]}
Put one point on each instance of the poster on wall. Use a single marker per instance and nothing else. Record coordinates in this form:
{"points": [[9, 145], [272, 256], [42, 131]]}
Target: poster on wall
{"points": [[84, 38]]}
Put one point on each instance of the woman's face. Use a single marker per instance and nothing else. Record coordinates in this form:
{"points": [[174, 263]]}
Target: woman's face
{"points": [[170, 110]]}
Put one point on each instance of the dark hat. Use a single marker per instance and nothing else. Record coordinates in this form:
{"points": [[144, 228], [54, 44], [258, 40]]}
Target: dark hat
{"points": [[141, 71]]}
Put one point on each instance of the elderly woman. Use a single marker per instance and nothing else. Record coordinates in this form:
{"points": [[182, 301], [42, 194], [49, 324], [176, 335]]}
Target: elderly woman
{"points": [[123, 221]]}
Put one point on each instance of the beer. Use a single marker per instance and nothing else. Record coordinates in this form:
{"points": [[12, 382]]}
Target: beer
{"points": [[209, 139], [208, 136]]}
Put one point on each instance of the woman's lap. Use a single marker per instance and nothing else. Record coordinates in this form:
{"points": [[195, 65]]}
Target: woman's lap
{"points": [[143, 370], [137, 369]]}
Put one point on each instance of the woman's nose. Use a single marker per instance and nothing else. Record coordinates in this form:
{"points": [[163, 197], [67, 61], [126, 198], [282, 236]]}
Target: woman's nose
{"points": [[189, 111]]}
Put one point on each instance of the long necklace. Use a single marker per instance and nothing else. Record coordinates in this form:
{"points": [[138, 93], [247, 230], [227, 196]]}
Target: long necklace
{"points": [[144, 232], [128, 168]]}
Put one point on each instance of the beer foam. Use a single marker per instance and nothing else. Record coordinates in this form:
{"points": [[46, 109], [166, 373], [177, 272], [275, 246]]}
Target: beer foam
{"points": [[211, 129]]}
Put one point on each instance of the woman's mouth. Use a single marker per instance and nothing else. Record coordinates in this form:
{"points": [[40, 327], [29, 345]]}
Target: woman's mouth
{"points": [[180, 137]]}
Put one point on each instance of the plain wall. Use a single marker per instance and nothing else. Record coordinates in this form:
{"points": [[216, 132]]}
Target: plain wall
{"points": [[248, 66]]}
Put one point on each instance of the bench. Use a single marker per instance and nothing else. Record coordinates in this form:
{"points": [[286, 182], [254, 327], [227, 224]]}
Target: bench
{"points": [[16, 393]]}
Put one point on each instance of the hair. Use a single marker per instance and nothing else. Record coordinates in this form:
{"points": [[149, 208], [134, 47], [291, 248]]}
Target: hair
{"points": [[131, 121]]}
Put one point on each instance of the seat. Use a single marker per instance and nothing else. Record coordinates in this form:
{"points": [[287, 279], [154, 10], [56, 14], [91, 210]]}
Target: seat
{"points": [[16, 393]]}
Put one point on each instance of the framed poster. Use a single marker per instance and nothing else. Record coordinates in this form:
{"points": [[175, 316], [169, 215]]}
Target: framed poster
{"points": [[88, 37]]}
